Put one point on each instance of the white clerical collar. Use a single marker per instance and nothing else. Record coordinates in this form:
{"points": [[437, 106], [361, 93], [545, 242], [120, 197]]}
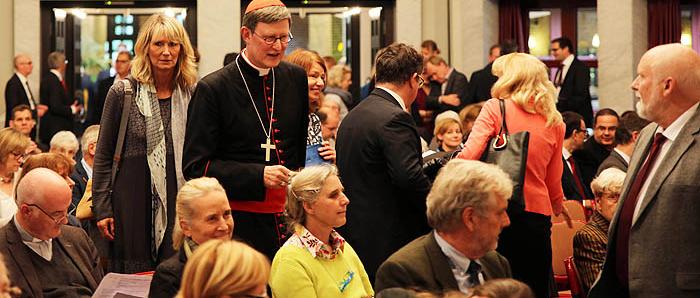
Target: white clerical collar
{"points": [[672, 131], [624, 155], [261, 71], [42, 248], [395, 96], [58, 74]]}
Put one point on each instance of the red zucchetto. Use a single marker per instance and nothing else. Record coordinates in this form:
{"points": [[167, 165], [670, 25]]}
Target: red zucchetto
{"points": [[258, 4]]}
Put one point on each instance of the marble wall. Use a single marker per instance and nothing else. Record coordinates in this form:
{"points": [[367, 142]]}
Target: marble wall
{"points": [[409, 21], [436, 25], [218, 32], [474, 29]]}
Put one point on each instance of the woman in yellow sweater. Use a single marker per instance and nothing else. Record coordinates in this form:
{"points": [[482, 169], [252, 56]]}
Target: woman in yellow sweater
{"points": [[316, 261]]}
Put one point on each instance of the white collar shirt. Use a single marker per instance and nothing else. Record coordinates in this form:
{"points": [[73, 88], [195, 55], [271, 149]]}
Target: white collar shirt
{"points": [[58, 74], [43, 248], [624, 156], [458, 263], [671, 133], [395, 96], [566, 154], [443, 87], [565, 69], [88, 168], [24, 80]]}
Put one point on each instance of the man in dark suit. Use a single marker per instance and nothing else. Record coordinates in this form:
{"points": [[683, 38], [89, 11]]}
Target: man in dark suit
{"points": [[467, 208], [596, 149], [54, 94], [379, 158], [626, 136], [44, 255], [82, 171], [18, 91], [122, 66], [654, 236], [574, 137], [448, 86], [572, 80], [482, 80]]}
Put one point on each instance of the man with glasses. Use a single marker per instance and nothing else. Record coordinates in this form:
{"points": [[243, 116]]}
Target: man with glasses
{"points": [[379, 160], [44, 256], [18, 92], [572, 80], [122, 66], [574, 137], [247, 126]]}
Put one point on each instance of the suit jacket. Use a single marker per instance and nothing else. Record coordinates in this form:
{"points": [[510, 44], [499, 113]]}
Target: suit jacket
{"points": [[457, 83], [614, 160], [590, 157], [568, 184], [76, 243], [94, 112], [59, 116], [665, 237], [14, 96], [480, 84], [590, 244], [80, 177], [574, 94], [379, 160], [422, 264]]}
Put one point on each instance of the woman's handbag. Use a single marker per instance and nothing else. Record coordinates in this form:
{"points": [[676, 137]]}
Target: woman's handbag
{"points": [[509, 152], [84, 209]]}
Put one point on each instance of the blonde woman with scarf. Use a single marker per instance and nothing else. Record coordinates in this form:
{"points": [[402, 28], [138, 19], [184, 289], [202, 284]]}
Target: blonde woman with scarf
{"points": [[136, 211]]}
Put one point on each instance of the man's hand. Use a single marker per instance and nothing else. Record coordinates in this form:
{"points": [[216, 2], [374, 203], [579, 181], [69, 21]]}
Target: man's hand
{"points": [[41, 110], [450, 99], [327, 152], [276, 176], [106, 227]]}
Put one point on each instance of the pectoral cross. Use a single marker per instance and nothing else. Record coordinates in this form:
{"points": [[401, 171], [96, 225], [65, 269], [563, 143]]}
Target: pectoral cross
{"points": [[267, 146]]}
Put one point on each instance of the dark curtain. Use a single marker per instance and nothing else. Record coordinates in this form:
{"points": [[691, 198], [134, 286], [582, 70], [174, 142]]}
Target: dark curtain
{"points": [[664, 21], [513, 24]]}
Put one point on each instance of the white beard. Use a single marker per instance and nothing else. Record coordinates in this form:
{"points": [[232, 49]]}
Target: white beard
{"points": [[641, 110]]}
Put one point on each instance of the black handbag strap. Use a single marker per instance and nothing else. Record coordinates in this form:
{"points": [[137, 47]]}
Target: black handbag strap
{"points": [[501, 140], [502, 103], [126, 109]]}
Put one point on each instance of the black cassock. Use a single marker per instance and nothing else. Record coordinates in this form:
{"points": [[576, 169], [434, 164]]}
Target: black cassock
{"points": [[224, 137]]}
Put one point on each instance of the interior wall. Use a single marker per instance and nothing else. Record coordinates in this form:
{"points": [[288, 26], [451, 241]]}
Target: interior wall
{"points": [[435, 20], [6, 50], [218, 32]]}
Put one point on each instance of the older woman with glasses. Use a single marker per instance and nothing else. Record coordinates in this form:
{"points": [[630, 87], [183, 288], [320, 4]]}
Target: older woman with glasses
{"points": [[136, 211], [591, 241], [316, 261], [202, 214], [13, 145]]}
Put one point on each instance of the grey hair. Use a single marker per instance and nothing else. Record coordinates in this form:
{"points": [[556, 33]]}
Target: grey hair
{"points": [[267, 15], [64, 139], [610, 180], [304, 188], [55, 60], [89, 137], [461, 184], [192, 190]]}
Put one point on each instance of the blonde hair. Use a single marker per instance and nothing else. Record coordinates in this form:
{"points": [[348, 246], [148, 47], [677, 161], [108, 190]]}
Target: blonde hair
{"points": [[336, 73], [609, 180], [64, 139], [191, 191], [160, 25], [304, 188], [523, 79], [224, 267], [89, 136], [11, 140], [443, 125], [461, 184]]}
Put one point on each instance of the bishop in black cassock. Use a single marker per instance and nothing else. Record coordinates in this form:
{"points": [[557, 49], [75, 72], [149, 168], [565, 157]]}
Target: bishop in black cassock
{"points": [[224, 139]]}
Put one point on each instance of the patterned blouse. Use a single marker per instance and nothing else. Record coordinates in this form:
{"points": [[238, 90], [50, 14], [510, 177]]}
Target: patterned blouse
{"points": [[314, 136], [302, 238]]}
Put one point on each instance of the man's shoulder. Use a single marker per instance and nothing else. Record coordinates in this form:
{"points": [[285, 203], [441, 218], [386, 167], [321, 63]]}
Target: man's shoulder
{"points": [[412, 253], [73, 234], [14, 79]]}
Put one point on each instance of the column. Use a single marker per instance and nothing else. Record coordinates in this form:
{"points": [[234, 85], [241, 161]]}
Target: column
{"points": [[436, 25], [473, 30], [622, 43], [218, 32], [409, 22]]}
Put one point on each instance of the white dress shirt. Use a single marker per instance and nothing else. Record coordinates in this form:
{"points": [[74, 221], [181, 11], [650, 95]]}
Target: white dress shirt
{"points": [[624, 156], [565, 69], [459, 264], [24, 81], [671, 133], [43, 248], [396, 97]]}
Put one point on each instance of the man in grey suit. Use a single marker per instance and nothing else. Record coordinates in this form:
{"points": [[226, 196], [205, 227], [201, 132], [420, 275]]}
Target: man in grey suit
{"points": [[467, 209], [44, 256], [654, 237]]}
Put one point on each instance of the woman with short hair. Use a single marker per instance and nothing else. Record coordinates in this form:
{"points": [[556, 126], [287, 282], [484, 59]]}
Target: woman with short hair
{"points": [[316, 261], [202, 214], [225, 268], [136, 211]]}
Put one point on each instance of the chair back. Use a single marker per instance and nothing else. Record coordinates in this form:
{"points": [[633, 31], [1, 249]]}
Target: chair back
{"points": [[563, 244], [575, 285], [576, 211]]}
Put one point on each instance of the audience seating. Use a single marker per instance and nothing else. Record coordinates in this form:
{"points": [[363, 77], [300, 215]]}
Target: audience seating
{"points": [[576, 212], [577, 290], [562, 248]]}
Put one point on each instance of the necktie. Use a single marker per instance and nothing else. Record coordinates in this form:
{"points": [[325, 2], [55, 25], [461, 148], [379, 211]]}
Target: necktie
{"points": [[65, 87], [577, 178], [557, 76], [32, 103], [627, 212], [473, 271]]}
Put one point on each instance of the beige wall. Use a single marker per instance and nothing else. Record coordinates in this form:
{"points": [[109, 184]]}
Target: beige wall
{"points": [[218, 32], [436, 25], [6, 50]]}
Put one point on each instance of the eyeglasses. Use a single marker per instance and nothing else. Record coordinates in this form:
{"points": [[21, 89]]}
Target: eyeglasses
{"points": [[270, 40], [58, 220], [19, 155], [612, 197], [421, 81], [584, 131]]}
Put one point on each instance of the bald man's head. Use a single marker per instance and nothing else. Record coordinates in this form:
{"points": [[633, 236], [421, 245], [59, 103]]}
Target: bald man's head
{"points": [[666, 84], [40, 185], [43, 198]]}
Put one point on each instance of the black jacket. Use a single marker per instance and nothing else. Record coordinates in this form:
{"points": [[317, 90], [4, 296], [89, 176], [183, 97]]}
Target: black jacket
{"points": [[568, 184], [59, 116], [166, 279], [80, 177], [14, 96], [457, 83], [480, 85], [575, 95], [590, 157]]}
